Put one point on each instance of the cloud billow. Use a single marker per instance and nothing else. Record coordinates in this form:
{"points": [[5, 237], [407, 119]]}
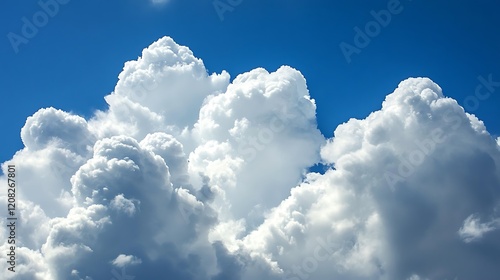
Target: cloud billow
{"points": [[188, 175]]}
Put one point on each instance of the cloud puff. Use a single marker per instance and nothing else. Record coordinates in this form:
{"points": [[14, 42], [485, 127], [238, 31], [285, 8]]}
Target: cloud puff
{"points": [[473, 229], [405, 180], [124, 260], [188, 175]]}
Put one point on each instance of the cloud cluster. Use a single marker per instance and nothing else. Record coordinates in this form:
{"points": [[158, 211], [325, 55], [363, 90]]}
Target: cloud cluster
{"points": [[189, 175], [408, 193]]}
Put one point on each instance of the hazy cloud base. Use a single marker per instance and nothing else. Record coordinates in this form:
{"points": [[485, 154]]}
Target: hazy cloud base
{"points": [[189, 175]]}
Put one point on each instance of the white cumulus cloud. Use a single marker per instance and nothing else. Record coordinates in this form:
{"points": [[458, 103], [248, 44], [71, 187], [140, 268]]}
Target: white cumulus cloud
{"points": [[189, 175], [124, 260]]}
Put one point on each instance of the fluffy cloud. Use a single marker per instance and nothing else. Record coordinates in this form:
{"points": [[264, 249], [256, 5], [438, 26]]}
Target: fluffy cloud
{"points": [[399, 200], [123, 260], [188, 175]]}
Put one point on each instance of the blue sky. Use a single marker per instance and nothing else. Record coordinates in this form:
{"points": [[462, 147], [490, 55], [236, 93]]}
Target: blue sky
{"points": [[184, 140], [74, 60]]}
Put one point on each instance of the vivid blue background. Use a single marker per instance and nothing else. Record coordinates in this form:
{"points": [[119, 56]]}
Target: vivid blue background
{"points": [[74, 61]]}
